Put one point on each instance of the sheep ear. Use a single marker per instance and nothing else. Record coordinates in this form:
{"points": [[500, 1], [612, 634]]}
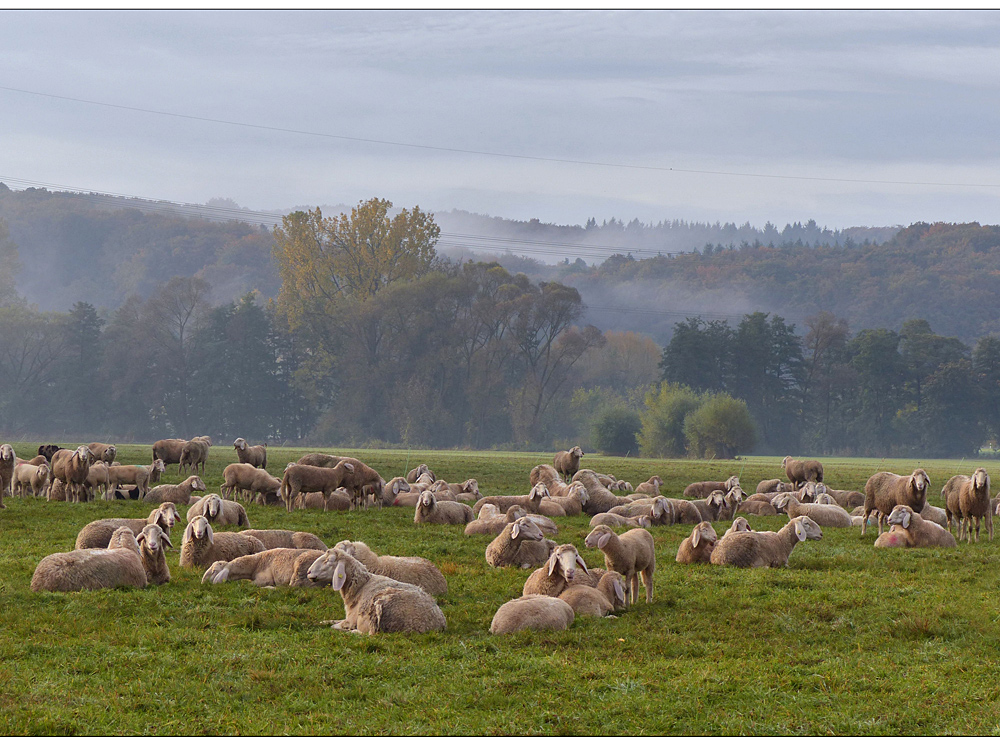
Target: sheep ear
{"points": [[349, 467], [619, 591], [514, 530], [211, 534], [906, 519], [695, 538], [188, 533], [166, 540], [581, 563], [551, 562], [339, 576], [395, 488], [800, 531], [603, 541]]}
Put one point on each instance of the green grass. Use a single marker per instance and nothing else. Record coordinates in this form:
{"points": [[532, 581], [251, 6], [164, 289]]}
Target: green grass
{"points": [[847, 641]]}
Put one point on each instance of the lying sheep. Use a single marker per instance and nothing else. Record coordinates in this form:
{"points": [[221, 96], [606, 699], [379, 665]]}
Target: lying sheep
{"points": [[935, 515], [568, 462], [414, 570], [178, 494], [764, 548], [847, 499], [739, 524], [650, 487], [910, 530], [520, 544], [832, 516], [710, 508], [684, 511], [548, 476], [430, 510], [755, 506], [304, 478], [529, 502], [248, 454], [632, 554], [608, 596], [31, 478], [270, 568], [885, 490], [773, 485], [277, 538], [967, 498], [153, 541], [376, 603], [704, 489], [659, 510], [697, 548], [202, 546], [600, 498], [558, 573], [97, 534], [57, 491], [392, 490], [532, 612], [414, 474], [88, 569], [573, 502], [617, 521], [219, 512], [800, 472]]}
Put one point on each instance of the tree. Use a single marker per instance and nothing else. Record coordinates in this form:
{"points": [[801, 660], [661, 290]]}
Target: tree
{"points": [[826, 374], [699, 355], [951, 416], [986, 366], [662, 433], [614, 431], [9, 266], [880, 373], [923, 352], [720, 428]]}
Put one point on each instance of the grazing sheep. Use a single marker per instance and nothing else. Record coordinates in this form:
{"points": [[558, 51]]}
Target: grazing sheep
{"points": [[153, 541], [337, 501], [600, 498], [28, 476], [104, 452], [632, 554], [194, 455], [97, 534], [87, 569], [697, 548], [885, 490], [430, 510], [608, 596], [704, 489], [8, 460], [558, 573], [376, 603], [304, 478], [800, 472], [251, 482], [914, 530], [568, 462], [278, 538], [248, 454], [219, 512], [178, 494], [739, 524], [414, 474], [414, 570], [650, 487], [270, 568], [773, 485], [616, 520], [169, 450], [832, 516], [202, 546], [532, 612], [505, 549], [685, 511], [967, 498], [529, 502], [361, 481], [764, 548], [72, 468]]}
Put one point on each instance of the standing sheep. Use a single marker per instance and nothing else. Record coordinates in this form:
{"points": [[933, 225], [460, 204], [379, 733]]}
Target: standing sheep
{"points": [[304, 478], [72, 468], [194, 455], [885, 490], [248, 454], [104, 452], [88, 569], [140, 476], [8, 459], [632, 554], [697, 548], [567, 463], [30, 477], [169, 450], [800, 472], [178, 494], [764, 548], [966, 498]]}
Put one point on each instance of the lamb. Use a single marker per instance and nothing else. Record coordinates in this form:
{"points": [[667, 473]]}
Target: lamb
{"points": [[338, 500], [608, 596], [616, 520], [558, 573], [632, 554], [967, 498], [140, 476], [548, 476], [304, 478], [414, 474], [532, 612], [219, 512], [697, 548], [8, 460], [568, 462], [832, 516], [97, 534], [430, 510], [600, 498], [530, 502], [87, 569], [704, 489], [914, 531], [98, 478], [650, 487], [248, 454], [739, 524], [169, 450], [685, 511], [30, 477], [885, 490], [277, 538], [270, 568], [376, 603], [178, 494], [104, 452], [72, 468], [194, 454], [520, 544], [202, 546], [153, 541], [800, 472], [773, 485], [764, 548], [414, 570]]}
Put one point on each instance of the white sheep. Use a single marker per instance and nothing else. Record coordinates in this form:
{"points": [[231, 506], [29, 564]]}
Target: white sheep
{"points": [[430, 510], [97, 534], [608, 596], [532, 612], [219, 512], [558, 573], [413, 570], [270, 568], [764, 548], [88, 569], [910, 530], [276, 538], [632, 554], [520, 544], [202, 546], [832, 516], [697, 548]]}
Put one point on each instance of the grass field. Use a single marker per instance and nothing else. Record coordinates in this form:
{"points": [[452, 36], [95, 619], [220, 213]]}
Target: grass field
{"points": [[848, 640]]}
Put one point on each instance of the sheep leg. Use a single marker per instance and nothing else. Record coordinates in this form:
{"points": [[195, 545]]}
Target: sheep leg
{"points": [[633, 590], [977, 529], [647, 582]]}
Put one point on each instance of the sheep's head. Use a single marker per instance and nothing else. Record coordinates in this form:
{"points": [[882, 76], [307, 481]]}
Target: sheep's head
{"points": [[42, 471], [489, 510], [538, 492], [199, 528], [166, 515], [321, 570], [240, 444], [427, 500], [152, 538], [615, 583], [740, 524], [806, 528], [347, 547], [213, 506], [7, 453], [901, 515], [523, 528], [658, 509], [399, 485], [825, 500], [785, 461], [809, 491], [717, 499], [577, 451], [821, 488], [158, 466], [920, 481], [196, 484], [471, 486], [732, 482], [599, 537], [217, 572], [578, 491], [980, 479], [564, 560], [703, 533], [781, 503]]}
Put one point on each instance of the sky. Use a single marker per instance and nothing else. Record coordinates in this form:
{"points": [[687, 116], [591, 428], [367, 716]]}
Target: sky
{"points": [[846, 117]]}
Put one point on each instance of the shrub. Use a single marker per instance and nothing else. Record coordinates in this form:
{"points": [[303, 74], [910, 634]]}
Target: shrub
{"points": [[662, 433], [720, 428], [614, 431]]}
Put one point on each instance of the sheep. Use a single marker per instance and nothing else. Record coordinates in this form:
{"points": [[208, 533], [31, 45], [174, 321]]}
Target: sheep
{"points": [[277, 538], [201, 546], [491, 521], [304, 478], [194, 455], [414, 570], [916, 532], [72, 468], [361, 480], [935, 515], [532, 612], [616, 520], [697, 548], [773, 485], [338, 500], [710, 508], [430, 510], [660, 511], [885, 490], [414, 474], [47, 450], [558, 572], [270, 568], [97, 534], [392, 490], [632, 554], [104, 452], [572, 502], [248, 454], [140, 476], [251, 482], [800, 472], [548, 476], [685, 511], [98, 478], [731, 504], [530, 502], [376, 603], [505, 549], [219, 512], [600, 498], [967, 498], [153, 541], [739, 524], [57, 491], [764, 548], [650, 487], [832, 516], [156, 470], [757, 507], [88, 569], [608, 596], [704, 489], [169, 450], [8, 460], [178, 494], [28, 476], [568, 462]]}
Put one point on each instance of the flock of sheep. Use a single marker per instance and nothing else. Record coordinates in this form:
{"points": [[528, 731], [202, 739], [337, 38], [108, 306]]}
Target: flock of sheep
{"points": [[394, 594]]}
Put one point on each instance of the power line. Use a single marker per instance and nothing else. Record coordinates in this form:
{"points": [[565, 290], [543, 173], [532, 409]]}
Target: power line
{"points": [[494, 154]]}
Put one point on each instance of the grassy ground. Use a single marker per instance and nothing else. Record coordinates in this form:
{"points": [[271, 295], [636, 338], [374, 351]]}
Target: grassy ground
{"points": [[847, 641]]}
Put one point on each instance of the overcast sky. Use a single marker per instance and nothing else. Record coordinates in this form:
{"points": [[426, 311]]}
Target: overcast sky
{"points": [[843, 98]]}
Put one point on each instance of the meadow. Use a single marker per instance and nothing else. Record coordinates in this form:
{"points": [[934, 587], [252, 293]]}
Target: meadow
{"points": [[848, 640]]}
